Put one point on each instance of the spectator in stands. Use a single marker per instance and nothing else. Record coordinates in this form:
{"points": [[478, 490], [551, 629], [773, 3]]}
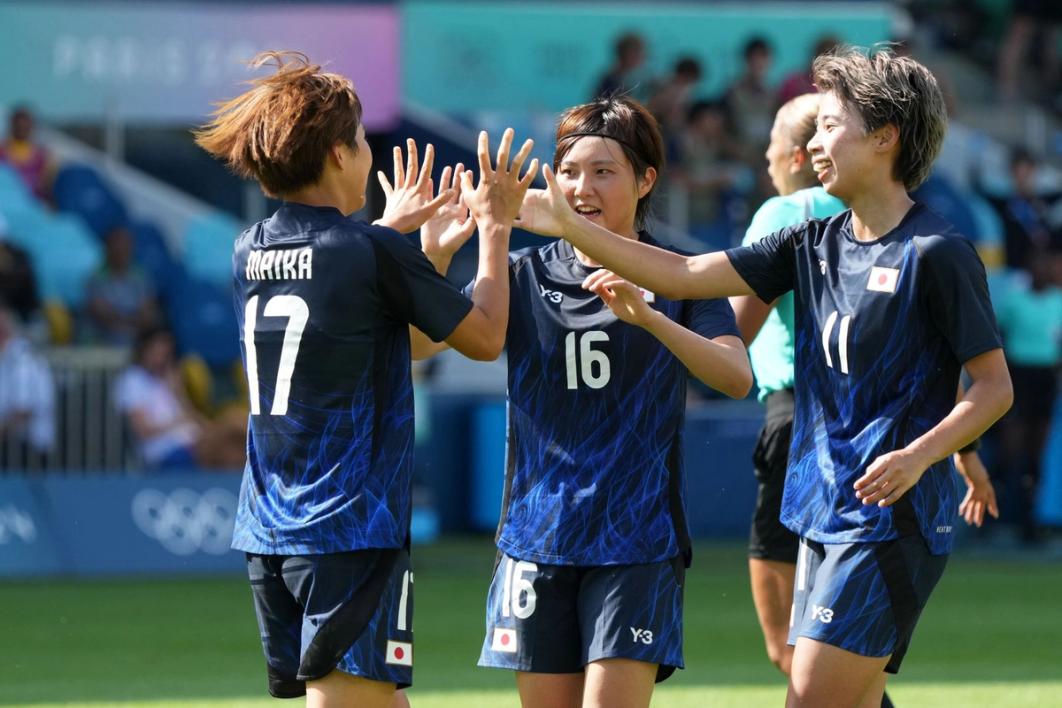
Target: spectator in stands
{"points": [[624, 77], [672, 97], [710, 166], [799, 82], [30, 159], [1028, 18], [27, 399], [1030, 225], [120, 300], [1030, 318], [171, 435], [751, 103]]}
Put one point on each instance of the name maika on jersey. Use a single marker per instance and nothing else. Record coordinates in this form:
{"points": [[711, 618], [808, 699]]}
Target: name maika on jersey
{"points": [[280, 264]]}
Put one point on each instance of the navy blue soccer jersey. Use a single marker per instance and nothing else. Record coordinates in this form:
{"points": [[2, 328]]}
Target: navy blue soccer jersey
{"points": [[882, 330], [324, 303], [595, 414]]}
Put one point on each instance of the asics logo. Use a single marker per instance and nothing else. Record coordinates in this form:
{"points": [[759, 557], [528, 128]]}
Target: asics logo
{"points": [[185, 521]]}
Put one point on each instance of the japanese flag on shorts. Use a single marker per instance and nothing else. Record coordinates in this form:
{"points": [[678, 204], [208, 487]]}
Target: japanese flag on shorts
{"points": [[400, 653], [504, 640]]}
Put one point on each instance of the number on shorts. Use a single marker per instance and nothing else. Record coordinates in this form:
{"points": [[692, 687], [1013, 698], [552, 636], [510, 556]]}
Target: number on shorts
{"points": [[518, 592]]}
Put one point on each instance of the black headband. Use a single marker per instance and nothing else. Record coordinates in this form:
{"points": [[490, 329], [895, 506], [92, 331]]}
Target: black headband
{"points": [[591, 134]]}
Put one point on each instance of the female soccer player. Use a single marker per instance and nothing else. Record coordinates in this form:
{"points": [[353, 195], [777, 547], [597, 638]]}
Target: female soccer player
{"points": [[586, 599], [325, 303], [890, 303], [771, 333]]}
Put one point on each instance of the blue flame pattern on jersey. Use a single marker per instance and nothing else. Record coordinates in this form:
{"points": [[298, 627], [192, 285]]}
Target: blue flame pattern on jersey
{"points": [[595, 415], [882, 330], [332, 473]]}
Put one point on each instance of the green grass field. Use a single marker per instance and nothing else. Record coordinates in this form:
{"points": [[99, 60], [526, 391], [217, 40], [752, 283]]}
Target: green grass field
{"points": [[991, 636]]}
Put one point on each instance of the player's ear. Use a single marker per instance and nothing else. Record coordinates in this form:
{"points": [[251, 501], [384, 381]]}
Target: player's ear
{"points": [[646, 182], [798, 159], [886, 137], [337, 155]]}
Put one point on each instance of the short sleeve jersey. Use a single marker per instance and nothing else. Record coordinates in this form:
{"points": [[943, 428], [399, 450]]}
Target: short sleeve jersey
{"points": [[882, 329], [595, 415], [771, 352], [324, 303]]}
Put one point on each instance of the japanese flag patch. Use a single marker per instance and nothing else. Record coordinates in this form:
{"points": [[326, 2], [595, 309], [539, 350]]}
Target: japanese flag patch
{"points": [[504, 640], [883, 280], [400, 653], [649, 296]]}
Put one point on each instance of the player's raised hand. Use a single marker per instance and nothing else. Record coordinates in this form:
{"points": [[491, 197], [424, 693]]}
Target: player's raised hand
{"points": [[546, 211], [497, 198], [452, 225], [889, 477], [980, 494], [626, 300], [410, 199]]}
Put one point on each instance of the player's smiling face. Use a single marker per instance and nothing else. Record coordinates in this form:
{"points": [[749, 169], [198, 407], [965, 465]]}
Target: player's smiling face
{"points": [[842, 154], [599, 182]]}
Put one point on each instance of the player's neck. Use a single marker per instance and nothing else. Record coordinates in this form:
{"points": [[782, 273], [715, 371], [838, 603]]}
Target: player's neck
{"points": [[326, 193], [875, 214], [586, 260]]}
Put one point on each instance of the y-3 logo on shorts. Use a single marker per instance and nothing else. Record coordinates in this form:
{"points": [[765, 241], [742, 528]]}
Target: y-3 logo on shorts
{"points": [[641, 635], [822, 614], [551, 295]]}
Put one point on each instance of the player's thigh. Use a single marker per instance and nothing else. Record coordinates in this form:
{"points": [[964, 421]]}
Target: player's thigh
{"points": [[826, 676], [532, 618], [865, 598], [619, 683], [634, 612], [358, 610], [341, 690], [550, 690]]}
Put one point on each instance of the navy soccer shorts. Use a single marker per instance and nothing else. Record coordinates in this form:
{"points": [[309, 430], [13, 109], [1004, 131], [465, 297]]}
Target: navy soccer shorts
{"points": [[347, 611], [863, 597], [768, 538], [556, 619]]}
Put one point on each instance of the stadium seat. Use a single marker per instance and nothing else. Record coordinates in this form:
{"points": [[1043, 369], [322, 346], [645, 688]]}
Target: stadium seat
{"points": [[64, 254], [80, 190], [207, 248], [13, 191], [153, 256], [204, 322]]}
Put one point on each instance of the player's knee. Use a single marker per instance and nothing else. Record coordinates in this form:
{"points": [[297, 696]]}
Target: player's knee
{"points": [[781, 655]]}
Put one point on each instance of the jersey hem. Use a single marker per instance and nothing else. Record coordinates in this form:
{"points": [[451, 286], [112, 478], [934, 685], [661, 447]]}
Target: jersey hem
{"points": [[524, 554]]}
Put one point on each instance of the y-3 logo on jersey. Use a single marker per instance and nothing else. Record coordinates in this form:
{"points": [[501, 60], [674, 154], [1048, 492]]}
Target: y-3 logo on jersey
{"points": [[822, 614], [551, 295], [641, 635]]}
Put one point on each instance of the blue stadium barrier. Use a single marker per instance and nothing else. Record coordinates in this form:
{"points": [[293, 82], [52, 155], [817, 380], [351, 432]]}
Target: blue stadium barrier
{"points": [[79, 189], [1049, 503], [107, 524], [207, 247], [28, 545]]}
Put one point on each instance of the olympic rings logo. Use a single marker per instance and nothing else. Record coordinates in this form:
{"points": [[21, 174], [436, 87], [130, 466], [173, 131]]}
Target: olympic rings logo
{"points": [[185, 521]]}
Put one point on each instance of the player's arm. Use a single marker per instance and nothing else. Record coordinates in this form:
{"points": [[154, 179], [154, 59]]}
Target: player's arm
{"points": [[986, 400], [676, 277], [441, 237], [980, 494], [494, 204], [750, 313], [719, 362]]}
